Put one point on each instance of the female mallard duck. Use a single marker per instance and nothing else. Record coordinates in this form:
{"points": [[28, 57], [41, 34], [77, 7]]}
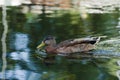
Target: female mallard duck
{"points": [[68, 46]]}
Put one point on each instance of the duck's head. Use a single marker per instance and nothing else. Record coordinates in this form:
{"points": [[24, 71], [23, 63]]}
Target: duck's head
{"points": [[48, 41]]}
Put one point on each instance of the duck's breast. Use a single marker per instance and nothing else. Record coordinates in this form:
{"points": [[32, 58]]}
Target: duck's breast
{"points": [[50, 49]]}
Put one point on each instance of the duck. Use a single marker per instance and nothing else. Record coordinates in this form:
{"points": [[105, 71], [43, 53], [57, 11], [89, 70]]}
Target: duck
{"points": [[68, 46]]}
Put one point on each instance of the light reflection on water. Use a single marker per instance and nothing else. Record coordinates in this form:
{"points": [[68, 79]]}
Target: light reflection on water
{"points": [[20, 74], [102, 6], [21, 47], [21, 53]]}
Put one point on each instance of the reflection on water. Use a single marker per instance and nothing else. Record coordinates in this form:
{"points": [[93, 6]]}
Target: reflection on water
{"points": [[20, 44], [20, 74], [102, 6], [21, 53], [21, 41], [27, 30]]}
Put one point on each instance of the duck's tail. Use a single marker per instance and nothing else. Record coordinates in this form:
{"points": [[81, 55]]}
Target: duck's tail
{"points": [[97, 39]]}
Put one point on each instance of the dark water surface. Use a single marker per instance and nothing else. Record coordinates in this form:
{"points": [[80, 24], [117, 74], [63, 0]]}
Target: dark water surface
{"points": [[27, 30]]}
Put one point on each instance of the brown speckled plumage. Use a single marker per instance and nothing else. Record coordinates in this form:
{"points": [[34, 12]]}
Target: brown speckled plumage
{"points": [[69, 46]]}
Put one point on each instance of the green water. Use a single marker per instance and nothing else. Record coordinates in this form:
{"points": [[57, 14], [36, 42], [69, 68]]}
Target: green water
{"points": [[27, 30]]}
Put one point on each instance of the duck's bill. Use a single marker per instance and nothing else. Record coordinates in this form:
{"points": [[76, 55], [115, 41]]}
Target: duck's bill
{"points": [[41, 45]]}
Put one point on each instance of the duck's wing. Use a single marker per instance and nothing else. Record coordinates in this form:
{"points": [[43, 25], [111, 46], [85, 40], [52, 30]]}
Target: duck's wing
{"points": [[72, 42], [77, 45]]}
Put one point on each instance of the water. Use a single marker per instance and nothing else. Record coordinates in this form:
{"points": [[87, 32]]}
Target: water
{"points": [[27, 30]]}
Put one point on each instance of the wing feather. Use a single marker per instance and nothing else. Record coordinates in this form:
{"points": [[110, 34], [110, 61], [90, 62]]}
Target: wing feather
{"points": [[72, 42]]}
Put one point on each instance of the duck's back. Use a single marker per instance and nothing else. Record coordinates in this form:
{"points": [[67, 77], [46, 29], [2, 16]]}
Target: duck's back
{"points": [[76, 45], [75, 48]]}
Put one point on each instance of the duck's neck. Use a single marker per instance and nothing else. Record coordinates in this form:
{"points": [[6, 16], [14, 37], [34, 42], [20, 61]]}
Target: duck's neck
{"points": [[51, 48], [52, 45]]}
